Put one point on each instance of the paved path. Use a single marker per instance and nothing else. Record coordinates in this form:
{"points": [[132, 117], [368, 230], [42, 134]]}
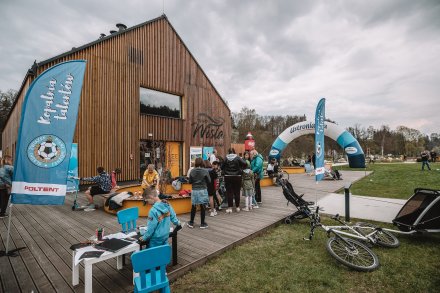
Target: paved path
{"points": [[361, 207]]}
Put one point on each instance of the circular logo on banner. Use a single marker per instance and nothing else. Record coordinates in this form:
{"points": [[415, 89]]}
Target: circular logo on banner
{"points": [[351, 150], [318, 150], [274, 152], [46, 151]]}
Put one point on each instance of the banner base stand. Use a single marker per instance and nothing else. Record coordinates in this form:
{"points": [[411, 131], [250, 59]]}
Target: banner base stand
{"points": [[11, 253]]}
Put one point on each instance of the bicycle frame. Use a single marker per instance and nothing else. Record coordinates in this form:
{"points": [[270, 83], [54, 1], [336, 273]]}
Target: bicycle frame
{"points": [[339, 231]]}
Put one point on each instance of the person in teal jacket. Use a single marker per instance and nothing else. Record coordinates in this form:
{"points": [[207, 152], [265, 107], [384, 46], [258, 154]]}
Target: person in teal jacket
{"points": [[257, 168], [159, 221]]}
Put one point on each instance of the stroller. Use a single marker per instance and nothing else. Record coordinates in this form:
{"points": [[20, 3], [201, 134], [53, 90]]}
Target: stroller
{"points": [[292, 197], [421, 213]]}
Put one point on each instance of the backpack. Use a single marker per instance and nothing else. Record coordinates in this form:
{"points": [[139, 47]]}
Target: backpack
{"points": [[177, 185]]}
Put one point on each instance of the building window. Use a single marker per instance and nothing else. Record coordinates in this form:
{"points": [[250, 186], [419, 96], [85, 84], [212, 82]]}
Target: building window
{"points": [[160, 103]]}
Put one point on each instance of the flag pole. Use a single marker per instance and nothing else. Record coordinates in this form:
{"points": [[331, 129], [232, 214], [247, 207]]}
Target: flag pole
{"points": [[9, 228]]}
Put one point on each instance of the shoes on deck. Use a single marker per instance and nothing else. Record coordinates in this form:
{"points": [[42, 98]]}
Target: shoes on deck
{"points": [[256, 207], [237, 209], [190, 224], [204, 226], [246, 209], [229, 210]]}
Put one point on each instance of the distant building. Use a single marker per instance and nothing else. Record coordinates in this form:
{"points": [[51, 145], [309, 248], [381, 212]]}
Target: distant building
{"points": [[145, 99]]}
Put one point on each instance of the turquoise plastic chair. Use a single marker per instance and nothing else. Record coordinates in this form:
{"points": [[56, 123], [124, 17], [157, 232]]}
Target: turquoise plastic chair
{"points": [[127, 218], [151, 265]]}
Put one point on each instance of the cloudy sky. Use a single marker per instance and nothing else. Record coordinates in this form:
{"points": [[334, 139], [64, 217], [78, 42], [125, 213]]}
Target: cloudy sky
{"points": [[376, 62]]}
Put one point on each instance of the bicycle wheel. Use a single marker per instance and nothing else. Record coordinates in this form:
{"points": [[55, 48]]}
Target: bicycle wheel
{"points": [[383, 238], [358, 256]]}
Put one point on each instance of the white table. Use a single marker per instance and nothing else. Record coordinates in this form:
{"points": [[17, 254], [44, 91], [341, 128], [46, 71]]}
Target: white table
{"points": [[88, 263]]}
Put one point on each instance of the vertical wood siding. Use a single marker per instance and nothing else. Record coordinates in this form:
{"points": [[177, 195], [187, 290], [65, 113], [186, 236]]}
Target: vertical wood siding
{"points": [[109, 123]]}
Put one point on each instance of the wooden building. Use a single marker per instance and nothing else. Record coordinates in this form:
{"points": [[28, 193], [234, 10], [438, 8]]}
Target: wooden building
{"points": [[144, 99]]}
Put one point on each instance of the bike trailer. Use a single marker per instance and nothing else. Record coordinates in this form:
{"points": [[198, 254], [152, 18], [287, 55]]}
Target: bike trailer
{"points": [[421, 212]]}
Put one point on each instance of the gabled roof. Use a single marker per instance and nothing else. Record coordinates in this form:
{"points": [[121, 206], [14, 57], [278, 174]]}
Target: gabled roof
{"points": [[32, 70]]}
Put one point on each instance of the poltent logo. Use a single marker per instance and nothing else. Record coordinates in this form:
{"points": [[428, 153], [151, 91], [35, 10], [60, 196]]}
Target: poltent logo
{"points": [[46, 151]]}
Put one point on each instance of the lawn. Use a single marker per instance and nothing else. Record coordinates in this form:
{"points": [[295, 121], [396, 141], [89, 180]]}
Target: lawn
{"points": [[281, 261], [396, 180]]}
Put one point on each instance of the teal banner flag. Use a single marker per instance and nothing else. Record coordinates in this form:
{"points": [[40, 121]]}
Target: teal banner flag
{"points": [[319, 140], [45, 136]]}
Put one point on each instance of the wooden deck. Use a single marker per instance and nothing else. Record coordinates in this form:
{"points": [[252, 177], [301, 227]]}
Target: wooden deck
{"points": [[46, 233]]}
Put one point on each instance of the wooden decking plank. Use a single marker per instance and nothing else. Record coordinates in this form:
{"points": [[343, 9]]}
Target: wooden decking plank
{"points": [[7, 276], [25, 267], [106, 266], [102, 269], [55, 270], [33, 265], [65, 254], [81, 231]]}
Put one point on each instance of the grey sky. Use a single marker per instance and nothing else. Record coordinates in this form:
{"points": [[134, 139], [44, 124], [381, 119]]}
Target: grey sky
{"points": [[377, 62]]}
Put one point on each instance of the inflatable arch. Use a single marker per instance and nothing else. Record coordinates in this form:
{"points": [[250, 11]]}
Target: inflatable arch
{"points": [[356, 158]]}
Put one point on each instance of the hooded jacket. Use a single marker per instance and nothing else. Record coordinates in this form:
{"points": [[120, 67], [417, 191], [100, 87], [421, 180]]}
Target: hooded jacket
{"points": [[248, 181], [257, 165], [159, 221], [233, 165]]}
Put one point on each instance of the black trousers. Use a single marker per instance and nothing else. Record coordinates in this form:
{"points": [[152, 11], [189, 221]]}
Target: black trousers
{"points": [[233, 187], [4, 199], [257, 190], [202, 213]]}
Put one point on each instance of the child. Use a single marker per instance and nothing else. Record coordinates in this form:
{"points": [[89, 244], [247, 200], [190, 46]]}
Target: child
{"points": [[213, 187], [113, 175], [248, 184]]}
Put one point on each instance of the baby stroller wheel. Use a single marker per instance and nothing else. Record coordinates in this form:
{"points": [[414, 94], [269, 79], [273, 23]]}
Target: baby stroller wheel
{"points": [[288, 221]]}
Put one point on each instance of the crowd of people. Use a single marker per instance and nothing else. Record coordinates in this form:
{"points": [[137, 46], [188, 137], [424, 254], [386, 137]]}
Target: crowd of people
{"points": [[219, 183]]}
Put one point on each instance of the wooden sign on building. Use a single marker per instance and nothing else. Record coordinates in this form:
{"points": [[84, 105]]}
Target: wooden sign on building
{"points": [[145, 99]]}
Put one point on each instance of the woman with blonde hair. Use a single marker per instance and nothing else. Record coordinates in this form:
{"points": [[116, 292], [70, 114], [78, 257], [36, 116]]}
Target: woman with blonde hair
{"points": [[151, 178]]}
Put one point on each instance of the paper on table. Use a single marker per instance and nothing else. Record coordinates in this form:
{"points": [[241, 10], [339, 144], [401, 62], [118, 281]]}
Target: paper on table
{"points": [[80, 252], [120, 235]]}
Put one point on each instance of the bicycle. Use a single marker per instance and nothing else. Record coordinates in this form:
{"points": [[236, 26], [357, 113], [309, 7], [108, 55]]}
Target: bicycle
{"points": [[345, 245], [349, 251]]}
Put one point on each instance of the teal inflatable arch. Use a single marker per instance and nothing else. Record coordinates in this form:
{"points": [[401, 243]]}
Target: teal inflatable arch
{"points": [[356, 157]]}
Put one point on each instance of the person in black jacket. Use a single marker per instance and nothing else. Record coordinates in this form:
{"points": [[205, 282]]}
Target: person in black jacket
{"points": [[199, 178], [232, 168]]}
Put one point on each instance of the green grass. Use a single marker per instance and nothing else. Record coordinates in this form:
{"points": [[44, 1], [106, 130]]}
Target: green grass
{"points": [[281, 261], [396, 180]]}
